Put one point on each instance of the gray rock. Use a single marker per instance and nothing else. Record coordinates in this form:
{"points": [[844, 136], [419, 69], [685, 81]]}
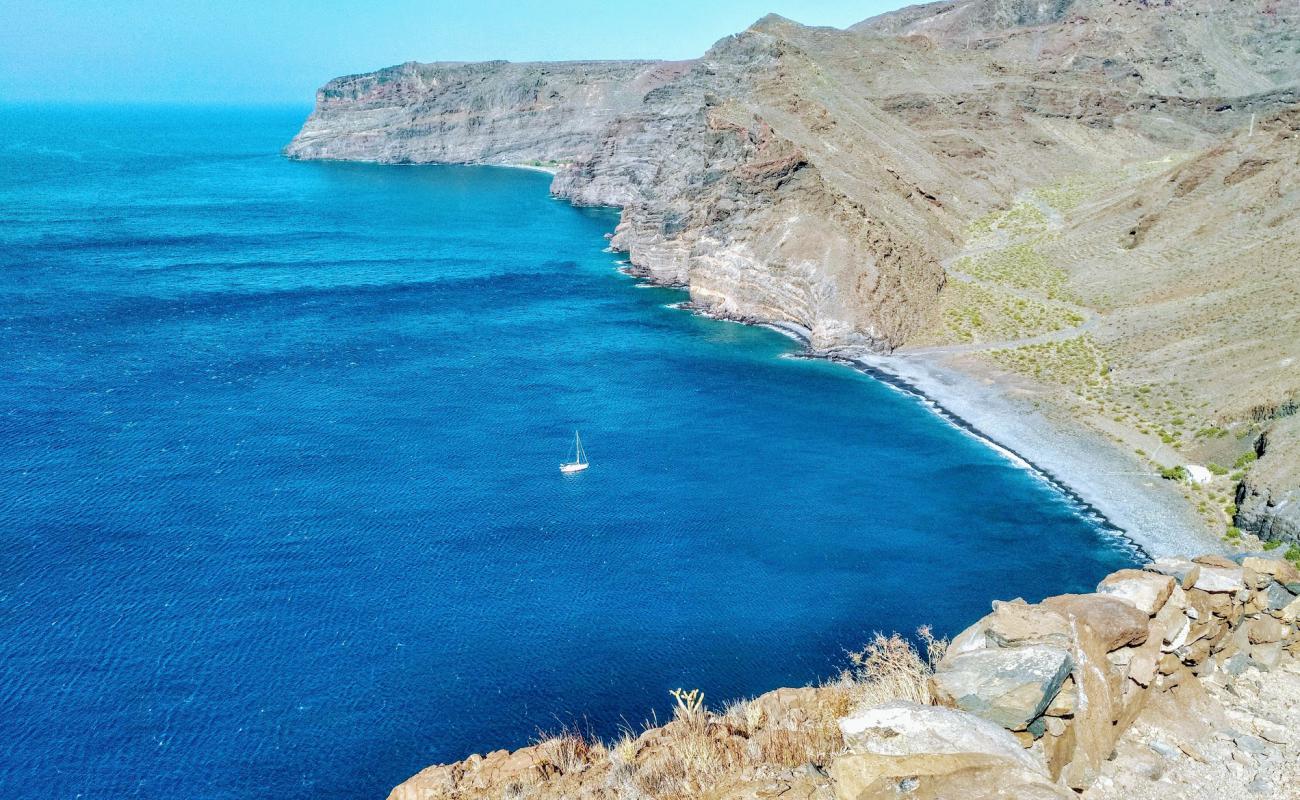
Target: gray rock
{"points": [[902, 728], [1251, 744], [1236, 664], [1219, 579], [1259, 785], [1266, 656], [1011, 687], [1176, 568], [1277, 596]]}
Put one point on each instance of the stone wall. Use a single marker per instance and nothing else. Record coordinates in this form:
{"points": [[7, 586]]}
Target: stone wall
{"points": [[1048, 688]]}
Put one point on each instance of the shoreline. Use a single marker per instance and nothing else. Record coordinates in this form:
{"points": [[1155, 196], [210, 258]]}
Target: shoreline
{"points": [[1106, 483], [1090, 470]]}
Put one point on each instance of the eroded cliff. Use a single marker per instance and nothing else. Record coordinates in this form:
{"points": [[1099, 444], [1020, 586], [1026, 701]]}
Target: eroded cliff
{"points": [[824, 178]]}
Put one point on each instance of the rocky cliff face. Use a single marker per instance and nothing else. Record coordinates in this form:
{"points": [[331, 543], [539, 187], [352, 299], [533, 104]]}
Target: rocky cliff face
{"points": [[816, 176], [820, 177], [494, 112]]}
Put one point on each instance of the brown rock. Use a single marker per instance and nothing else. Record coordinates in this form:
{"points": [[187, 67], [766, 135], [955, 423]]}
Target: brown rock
{"points": [[1195, 652], [1066, 700], [1058, 751], [1147, 591], [1262, 630], [1100, 690], [1221, 605], [1142, 666], [1117, 622], [931, 753], [937, 777], [1014, 624], [1213, 560], [1291, 612], [1199, 602], [1278, 569]]}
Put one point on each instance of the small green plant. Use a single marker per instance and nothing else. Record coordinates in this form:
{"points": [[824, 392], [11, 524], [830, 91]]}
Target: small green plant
{"points": [[1216, 469], [1177, 473], [1233, 534], [1293, 554], [1245, 458], [1272, 545], [1141, 452], [1237, 476], [1230, 509]]}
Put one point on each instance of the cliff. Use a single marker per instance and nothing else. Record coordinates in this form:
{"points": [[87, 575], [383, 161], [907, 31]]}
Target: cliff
{"points": [[831, 179], [1090, 693], [1093, 203]]}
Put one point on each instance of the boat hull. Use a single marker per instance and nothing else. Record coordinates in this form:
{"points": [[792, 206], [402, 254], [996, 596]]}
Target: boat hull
{"points": [[571, 468]]}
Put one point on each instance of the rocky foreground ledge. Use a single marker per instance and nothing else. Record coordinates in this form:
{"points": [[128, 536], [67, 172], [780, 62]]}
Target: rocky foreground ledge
{"points": [[1177, 680]]}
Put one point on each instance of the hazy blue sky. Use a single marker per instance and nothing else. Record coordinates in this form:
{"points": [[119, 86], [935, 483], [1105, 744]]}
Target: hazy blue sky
{"points": [[281, 50]]}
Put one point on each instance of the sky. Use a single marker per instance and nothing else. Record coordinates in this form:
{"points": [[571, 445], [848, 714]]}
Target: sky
{"points": [[280, 51]]}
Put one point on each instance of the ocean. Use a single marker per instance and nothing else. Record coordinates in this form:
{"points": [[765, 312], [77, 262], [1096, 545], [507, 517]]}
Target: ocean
{"points": [[280, 505]]}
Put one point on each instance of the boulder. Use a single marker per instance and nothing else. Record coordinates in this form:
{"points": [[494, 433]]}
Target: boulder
{"points": [[1117, 622], [1263, 630], [1011, 686], [1215, 560], [1015, 624], [926, 777], [1180, 569], [1274, 597], [1266, 656], [905, 749], [1065, 702], [1216, 579], [1279, 569], [1101, 693], [1142, 666], [1291, 611], [900, 728], [788, 704], [1147, 591]]}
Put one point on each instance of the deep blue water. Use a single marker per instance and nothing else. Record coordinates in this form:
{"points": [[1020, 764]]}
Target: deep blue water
{"points": [[279, 500]]}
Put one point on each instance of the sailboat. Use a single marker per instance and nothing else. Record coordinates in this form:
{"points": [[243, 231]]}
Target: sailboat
{"points": [[580, 461]]}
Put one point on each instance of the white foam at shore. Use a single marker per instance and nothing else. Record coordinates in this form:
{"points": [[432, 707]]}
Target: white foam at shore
{"points": [[1091, 471], [1104, 481]]}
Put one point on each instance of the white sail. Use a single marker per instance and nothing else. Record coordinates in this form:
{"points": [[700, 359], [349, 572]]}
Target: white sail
{"points": [[580, 457]]}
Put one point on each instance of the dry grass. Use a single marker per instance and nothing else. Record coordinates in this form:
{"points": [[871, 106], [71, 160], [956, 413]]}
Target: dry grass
{"points": [[815, 743], [699, 751], [892, 668]]}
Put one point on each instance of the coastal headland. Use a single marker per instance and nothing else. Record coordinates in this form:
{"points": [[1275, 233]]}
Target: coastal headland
{"points": [[1090, 209], [1071, 225]]}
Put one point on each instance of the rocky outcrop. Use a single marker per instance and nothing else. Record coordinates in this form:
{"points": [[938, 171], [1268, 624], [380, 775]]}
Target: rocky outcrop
{"points": [[918, 751], [1268, 499], [1033, 701], [491, 112], [815, 176]]}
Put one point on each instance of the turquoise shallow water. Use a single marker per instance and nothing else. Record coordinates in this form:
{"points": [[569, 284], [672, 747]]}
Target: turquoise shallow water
{"points": [[279, 498]]}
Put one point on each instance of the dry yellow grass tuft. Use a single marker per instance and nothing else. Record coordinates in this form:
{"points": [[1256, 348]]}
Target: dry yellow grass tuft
{"points": [[892, 668]]}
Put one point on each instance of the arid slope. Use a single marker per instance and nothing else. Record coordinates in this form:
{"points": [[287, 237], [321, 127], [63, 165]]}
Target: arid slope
{"points": [[824, 179]]}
